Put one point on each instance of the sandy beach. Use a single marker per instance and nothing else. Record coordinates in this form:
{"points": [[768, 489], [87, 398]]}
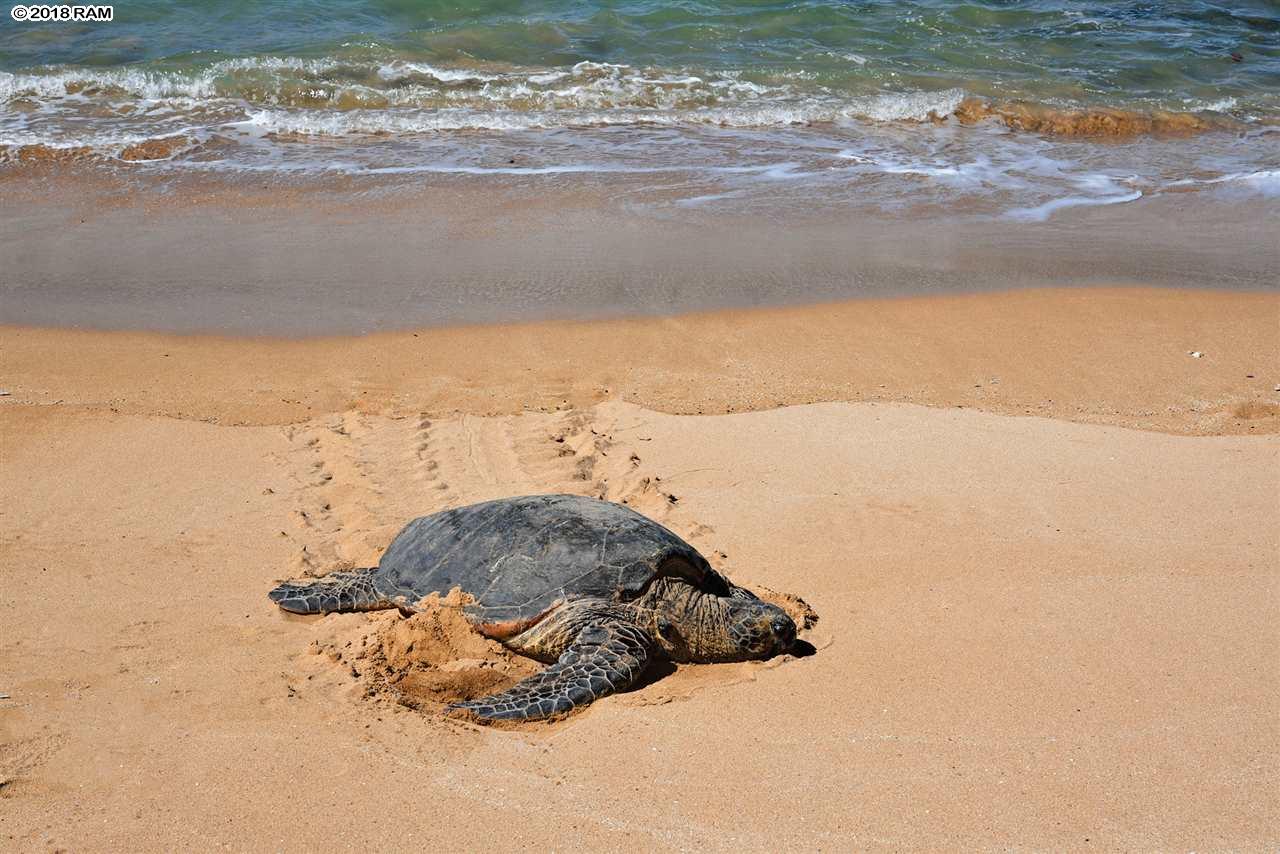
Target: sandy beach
{"points": [[1039, 535], [951, 329]]}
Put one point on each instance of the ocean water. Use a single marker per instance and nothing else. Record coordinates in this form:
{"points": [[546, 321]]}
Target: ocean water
{"points": [[1021, 108]]}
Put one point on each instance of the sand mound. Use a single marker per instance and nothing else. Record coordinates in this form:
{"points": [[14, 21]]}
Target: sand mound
{"points": [[797, 609], [429, 659]]}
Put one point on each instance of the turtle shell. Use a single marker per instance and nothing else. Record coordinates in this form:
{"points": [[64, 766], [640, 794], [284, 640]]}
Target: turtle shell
{"points": [[518, 557]]}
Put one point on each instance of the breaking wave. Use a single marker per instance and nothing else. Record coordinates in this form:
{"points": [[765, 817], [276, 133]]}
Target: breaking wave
{"points": [[724, 134], [81, 106]]}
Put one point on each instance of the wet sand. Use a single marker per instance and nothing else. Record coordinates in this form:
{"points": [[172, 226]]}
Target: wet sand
{"points": [[343, 255], [1046, 578]]}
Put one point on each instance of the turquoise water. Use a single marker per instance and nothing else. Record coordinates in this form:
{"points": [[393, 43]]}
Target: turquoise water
{"points": [[770, 90], [1176, 55]]}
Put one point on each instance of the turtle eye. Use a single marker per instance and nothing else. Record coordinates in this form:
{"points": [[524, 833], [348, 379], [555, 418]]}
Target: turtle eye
{"points": [[665, 628]]}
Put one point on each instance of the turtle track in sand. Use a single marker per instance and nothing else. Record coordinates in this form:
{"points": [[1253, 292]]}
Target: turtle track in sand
{"points": [[21, 758], [359, 476]]}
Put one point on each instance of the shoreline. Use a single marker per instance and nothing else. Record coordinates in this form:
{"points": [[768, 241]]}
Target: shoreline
{"points": [[353, 256], [1118, 356]]}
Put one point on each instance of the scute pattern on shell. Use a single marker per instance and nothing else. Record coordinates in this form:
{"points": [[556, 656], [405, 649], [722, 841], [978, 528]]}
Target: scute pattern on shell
{"points": [[518, 556]]}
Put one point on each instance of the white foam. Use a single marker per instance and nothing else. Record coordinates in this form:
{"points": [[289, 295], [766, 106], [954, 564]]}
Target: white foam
{"points": [[1219, 106], [1264, 181], [1040, 213], [907, 106], [586, 67], [106, 142], [695, 201], [138, 84], [627, 94], [573, 107], [399, 70], [547, 78], [152, 85]]}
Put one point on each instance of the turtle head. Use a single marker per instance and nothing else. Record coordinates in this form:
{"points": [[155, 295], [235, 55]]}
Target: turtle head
{"points": [[758, 629], [727, 629]]}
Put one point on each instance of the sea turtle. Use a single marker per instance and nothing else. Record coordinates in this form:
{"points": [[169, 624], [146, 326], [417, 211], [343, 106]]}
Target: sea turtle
{"points": [[590, 586]]}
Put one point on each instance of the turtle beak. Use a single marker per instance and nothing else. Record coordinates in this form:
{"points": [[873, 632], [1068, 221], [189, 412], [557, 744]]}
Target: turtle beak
{"points": [[784, 630], [776, 631]]}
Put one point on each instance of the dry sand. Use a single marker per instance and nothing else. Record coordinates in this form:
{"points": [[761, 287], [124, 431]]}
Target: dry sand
{"points": [[1101, 355], [1043, 632]]}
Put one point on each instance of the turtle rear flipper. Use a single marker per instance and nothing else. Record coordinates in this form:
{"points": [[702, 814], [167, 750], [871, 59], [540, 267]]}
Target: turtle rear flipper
{"points": [[338, 591], [605, 658]]}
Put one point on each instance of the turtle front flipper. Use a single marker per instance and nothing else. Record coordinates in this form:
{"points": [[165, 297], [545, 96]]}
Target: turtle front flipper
{"points": [[338, 591], [606, 657]]}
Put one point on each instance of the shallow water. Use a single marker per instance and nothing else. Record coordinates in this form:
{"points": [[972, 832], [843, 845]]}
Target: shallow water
{"points": [[722, 102], [1173, 55]]}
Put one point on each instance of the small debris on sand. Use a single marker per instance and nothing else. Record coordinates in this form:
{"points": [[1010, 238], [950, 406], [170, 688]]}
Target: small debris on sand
{"points": [[1195, 354]]}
